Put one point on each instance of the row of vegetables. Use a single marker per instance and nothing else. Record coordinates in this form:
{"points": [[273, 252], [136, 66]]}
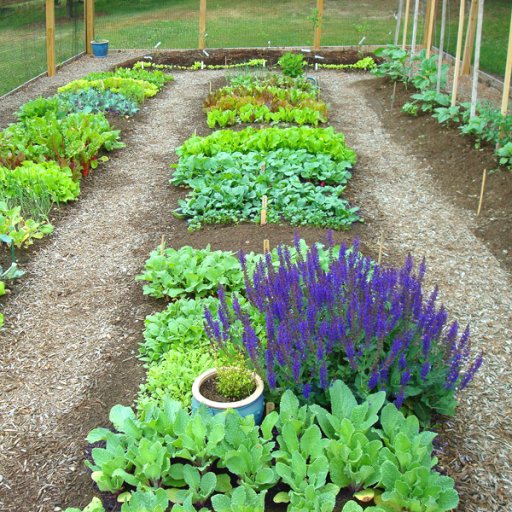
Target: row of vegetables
{"points": [[359, 359], [55, 143]]}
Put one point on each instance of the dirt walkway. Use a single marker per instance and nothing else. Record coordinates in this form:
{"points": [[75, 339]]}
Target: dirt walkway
{"points": [[401, 200]]}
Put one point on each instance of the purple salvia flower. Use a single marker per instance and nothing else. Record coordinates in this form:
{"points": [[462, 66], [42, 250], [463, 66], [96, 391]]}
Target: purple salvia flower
{"points": [[324, 381], [468, 376], [306, 390], [373, 380], [425, 369], [399, 400]]}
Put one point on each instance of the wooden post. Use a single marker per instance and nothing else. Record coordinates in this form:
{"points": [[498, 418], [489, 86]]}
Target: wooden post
{"points": [[202, 23], [50, 38], [318, 26], [398, 20], [89, 25], [406, 22], [476, 63], [482, 190], [458, 53], [264, 203], [430, 28], [266, 246], [508, 73], [441, 47], [469, 44]]}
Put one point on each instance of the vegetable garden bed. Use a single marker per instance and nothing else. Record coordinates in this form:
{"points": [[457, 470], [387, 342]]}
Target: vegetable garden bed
{"points": [[96, 252]]}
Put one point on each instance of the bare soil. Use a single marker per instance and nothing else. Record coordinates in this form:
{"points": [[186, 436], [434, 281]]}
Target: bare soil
{"points": [[68, 352]]}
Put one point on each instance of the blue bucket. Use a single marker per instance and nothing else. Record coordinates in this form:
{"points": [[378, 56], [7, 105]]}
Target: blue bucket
{"points": [[100, 48]]}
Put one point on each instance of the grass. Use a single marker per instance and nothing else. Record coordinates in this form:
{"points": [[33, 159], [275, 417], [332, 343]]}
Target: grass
{"points": [[230, 23]]}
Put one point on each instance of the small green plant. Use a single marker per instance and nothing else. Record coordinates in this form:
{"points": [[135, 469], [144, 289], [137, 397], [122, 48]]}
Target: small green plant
{"points": [[292, 64], [95, 506], [235, 382], [394, 65], [242, 499], [505, 155]]}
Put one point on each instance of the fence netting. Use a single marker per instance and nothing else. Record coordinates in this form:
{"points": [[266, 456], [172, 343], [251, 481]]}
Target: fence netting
{"points": [[23, 38]]}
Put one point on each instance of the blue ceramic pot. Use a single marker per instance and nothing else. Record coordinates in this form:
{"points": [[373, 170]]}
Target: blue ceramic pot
{"points": [[100, 48], [253, 404]]}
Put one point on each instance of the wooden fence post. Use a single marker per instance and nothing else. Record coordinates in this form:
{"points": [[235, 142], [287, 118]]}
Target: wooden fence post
{"points": [[406, 22], [89, 25], [430, 28], [318, 25], [202, 24], [469, 44], [508, 73], [458, 53], [50, 38]]}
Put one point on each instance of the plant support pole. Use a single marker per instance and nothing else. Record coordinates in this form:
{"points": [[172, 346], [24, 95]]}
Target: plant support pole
{"points": [[398, 20], [318, 24], [89, 25], [430, 28], [406, 22], [476, 64], [50, 37], [458, 53], [202, 24], [508, 73], [415, 27], [469, 45], [441, 47]]}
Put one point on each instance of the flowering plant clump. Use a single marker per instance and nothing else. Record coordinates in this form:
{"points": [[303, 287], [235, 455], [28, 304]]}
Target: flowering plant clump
{"points": [[372, 327]]}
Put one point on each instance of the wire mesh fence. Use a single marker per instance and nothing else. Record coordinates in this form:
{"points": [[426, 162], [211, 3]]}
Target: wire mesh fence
{"points": [[23, 38]]}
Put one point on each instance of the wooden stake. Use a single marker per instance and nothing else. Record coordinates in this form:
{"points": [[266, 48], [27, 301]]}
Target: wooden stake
{"points": [[458, 53], [317, 37], [381, 246], [469, 45], [427, 17], [406, 23], [441, 47], [50, 38], [414, 30], [476, 63], [508, 74], [266, 246], [482, 189], [393, 96], [264, 201], [398, 21], [162, 245], [430, 28], [210, 86], [202, 24]]}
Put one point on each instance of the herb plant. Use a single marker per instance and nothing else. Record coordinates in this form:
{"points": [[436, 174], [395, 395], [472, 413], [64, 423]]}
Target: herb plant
{"points": [[235, 382]]}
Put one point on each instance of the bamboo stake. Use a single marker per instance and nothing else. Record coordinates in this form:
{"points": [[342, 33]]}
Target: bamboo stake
{"points": [[469, 45], [318, 26], [458, 53], [50, 38], [430, 28], [427, 17], [482, 189], [398, 20], [508, 74], [406, 22], [264, 202], [266, 246], [441, 47], [476, 63], [202, 24]]}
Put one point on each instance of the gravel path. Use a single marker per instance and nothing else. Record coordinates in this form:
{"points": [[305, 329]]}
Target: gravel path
{"points": [[79, 309], [400, 200]]}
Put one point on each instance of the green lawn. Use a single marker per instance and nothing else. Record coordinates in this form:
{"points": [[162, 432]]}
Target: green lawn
{"points": [[230, 23]]}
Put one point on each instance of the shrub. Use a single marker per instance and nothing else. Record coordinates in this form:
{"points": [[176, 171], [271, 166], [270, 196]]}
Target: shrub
{"points": [[292, 64], [369, 326]]}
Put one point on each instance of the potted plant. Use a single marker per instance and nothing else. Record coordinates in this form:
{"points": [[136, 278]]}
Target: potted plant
{"points": [[100, 47], [230, 387]]}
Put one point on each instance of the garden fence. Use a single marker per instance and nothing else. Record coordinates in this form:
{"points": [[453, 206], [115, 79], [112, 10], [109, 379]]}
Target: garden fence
{"points": [[182, 24]]}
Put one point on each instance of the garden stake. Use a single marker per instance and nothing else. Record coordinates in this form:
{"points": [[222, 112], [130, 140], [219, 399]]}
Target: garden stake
{"points": [[482, 189], [162, 245], [458, 54], [441, 47], [430, 28], [398, 20], [210, 86], [202, 65], [266, 246], [381, 242], [406, 23], [476, 63], [508, 73], [393, 96], [264, 201], [414, 31]]}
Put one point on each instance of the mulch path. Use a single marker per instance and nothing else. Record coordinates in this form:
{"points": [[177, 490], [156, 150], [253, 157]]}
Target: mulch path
{"points": [[68, 352]]}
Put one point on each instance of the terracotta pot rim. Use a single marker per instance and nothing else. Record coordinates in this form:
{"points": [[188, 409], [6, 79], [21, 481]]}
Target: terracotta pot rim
{"points": [[225, 405]]}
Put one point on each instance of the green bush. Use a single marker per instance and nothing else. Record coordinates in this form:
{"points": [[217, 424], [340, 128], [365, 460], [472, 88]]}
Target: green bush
{"points": [[292, 64]]}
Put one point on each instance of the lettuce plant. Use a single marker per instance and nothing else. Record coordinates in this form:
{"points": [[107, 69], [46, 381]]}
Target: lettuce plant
{"points": [[372, 327], [292, 64], [242, 499]]}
